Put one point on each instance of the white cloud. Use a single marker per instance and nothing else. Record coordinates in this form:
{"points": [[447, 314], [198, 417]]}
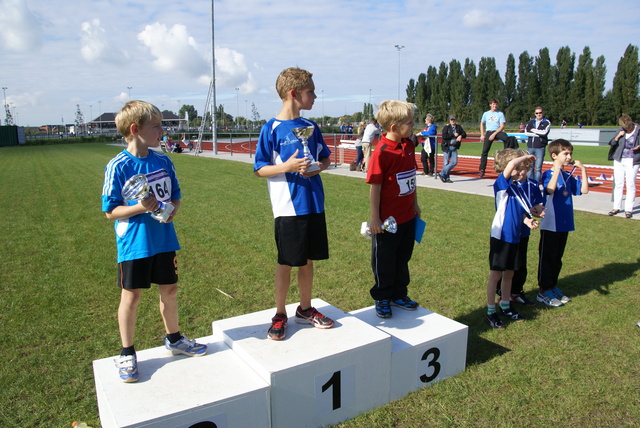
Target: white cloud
{"points": [[20, 31], [477, 18], [174, 50], [97, 48], [232, 71]]}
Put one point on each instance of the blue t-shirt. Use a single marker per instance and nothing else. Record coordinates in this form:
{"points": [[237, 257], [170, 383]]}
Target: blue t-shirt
{"points": [[493, 119], [291, 193], [141, 236], [510, 209], [559, 214]]}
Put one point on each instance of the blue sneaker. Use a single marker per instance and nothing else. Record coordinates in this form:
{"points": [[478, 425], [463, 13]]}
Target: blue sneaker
{"points": [[549, 298], [127, 368], [186, 347], [383, 308], [560, 295], [405, 303]]}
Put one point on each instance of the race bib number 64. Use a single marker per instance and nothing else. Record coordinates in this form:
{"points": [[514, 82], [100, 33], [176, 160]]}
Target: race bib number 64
{"points": [[406, 182]]}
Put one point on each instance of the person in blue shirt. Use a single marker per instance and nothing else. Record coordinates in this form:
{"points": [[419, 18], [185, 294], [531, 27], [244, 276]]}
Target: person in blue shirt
{"points": [[146, 245], [297, 196], [513, 213], [428, 155], [491, 128], [559, 187]]}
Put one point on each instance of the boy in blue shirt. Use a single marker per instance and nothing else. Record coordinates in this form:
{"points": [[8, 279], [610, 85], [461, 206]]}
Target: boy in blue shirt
{"points": [[146, 246], [559, 186], [297, 196], [513, 213]]}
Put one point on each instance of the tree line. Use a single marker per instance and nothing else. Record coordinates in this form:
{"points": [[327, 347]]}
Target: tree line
{"points": [[566, 90]]}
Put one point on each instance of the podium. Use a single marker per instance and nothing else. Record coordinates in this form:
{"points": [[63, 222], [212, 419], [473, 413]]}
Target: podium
{"points": [[426, 347], [317, 377], [181, 391]]}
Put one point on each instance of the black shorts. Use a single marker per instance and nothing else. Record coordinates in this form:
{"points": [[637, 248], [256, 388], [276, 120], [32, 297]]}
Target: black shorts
{"points": [[503, 255], [161, 269], [301, 238]]}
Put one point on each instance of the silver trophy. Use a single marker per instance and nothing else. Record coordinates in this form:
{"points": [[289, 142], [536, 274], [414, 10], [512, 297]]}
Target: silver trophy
{"points": [[390, 225], [303, 135], [137, 189]]}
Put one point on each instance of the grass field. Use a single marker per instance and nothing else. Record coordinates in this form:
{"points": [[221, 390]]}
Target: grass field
{"points": [[576, 365]]}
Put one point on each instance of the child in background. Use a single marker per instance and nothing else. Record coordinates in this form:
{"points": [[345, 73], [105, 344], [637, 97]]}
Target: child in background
{"points": [[559, 186], [512, 214], [392, 176]]}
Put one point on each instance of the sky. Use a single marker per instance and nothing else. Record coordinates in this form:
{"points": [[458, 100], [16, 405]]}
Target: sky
{"points": [[55, 55]]}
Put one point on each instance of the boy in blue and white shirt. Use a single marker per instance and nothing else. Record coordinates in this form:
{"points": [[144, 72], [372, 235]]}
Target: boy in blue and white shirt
{"points": [[559, 187], [297, 196], [513, 213], [146, 245]]}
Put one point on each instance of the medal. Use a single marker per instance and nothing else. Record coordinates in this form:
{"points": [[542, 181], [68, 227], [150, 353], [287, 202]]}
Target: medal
{"points": [[565, 193]]}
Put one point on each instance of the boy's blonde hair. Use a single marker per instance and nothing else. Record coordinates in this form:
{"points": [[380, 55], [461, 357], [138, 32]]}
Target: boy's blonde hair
{"points": [[292, 78], [138, 112], [503, 157], [394, 112], [556, 146]]}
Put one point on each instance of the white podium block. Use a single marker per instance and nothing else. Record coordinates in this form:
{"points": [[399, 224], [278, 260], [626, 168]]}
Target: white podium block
{"points": [[180, 391], [426, 347], [318, 377]]}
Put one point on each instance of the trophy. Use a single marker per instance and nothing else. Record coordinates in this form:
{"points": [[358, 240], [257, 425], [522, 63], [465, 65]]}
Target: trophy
{"points": [[137, 189], [303, 135], [390, 225]]}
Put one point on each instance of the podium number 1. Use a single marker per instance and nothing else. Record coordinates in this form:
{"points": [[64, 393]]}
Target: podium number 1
{"points": [[434, 353], [335, 390]]}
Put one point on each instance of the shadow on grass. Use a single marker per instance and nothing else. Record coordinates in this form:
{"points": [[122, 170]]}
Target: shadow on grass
{"points": [[479, 349], [598, 279]]}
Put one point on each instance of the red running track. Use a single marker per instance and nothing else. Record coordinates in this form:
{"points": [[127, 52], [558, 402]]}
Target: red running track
{"points": [[467, 165]]}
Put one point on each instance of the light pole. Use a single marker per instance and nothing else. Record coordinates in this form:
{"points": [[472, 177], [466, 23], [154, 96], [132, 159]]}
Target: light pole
{"points": [[237, 106], [323, 107], [399, 49], [90, 112], [246, 112], [4, 92], [129, 88], [100, 116]]}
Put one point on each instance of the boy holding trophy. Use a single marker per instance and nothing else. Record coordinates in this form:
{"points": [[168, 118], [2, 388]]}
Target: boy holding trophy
{"points": [[392, 176], [141, 193], [290, 155]]}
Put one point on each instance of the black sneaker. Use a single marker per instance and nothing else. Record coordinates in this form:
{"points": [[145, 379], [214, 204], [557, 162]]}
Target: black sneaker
{"points": [[405, 303], [511, 313], [383, 308], [494, 321], [278, 326], [522, 299]]}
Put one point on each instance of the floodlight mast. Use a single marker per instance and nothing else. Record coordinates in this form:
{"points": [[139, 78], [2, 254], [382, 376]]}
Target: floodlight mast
{"points": [[214, 130]]}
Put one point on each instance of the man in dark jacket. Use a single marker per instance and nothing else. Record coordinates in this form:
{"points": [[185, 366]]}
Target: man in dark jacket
{"points": [[537, 129], [452, 135]]}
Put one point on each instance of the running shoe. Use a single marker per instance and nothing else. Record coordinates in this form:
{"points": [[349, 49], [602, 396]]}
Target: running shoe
{"points": [[127, 368], [511, 313], [313, 317], [494, 321], [278, 326], [560, 295], [405, 303], [548, 298], [185, 346], [383, 308], [522, 299]]}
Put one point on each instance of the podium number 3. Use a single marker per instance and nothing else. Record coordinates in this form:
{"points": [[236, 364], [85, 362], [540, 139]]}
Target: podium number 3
{"points": [[433, 362]]}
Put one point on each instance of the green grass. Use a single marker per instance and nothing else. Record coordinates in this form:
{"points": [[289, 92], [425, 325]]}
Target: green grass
{"points": [[571, 366]]}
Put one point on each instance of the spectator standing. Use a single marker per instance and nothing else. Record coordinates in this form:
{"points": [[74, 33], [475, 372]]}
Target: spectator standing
{"points": [[370, 133], [491, 128], [537, 130], [452, 135], [428, 155], [626, 162]]}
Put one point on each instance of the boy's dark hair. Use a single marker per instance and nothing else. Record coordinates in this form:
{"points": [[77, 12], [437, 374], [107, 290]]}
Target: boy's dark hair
{"points": [[493, 100], [556, 146]]}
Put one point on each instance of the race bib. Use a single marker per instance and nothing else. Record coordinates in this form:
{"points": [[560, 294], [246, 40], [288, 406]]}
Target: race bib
{"points": [[160, 185], [406, 182]]}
